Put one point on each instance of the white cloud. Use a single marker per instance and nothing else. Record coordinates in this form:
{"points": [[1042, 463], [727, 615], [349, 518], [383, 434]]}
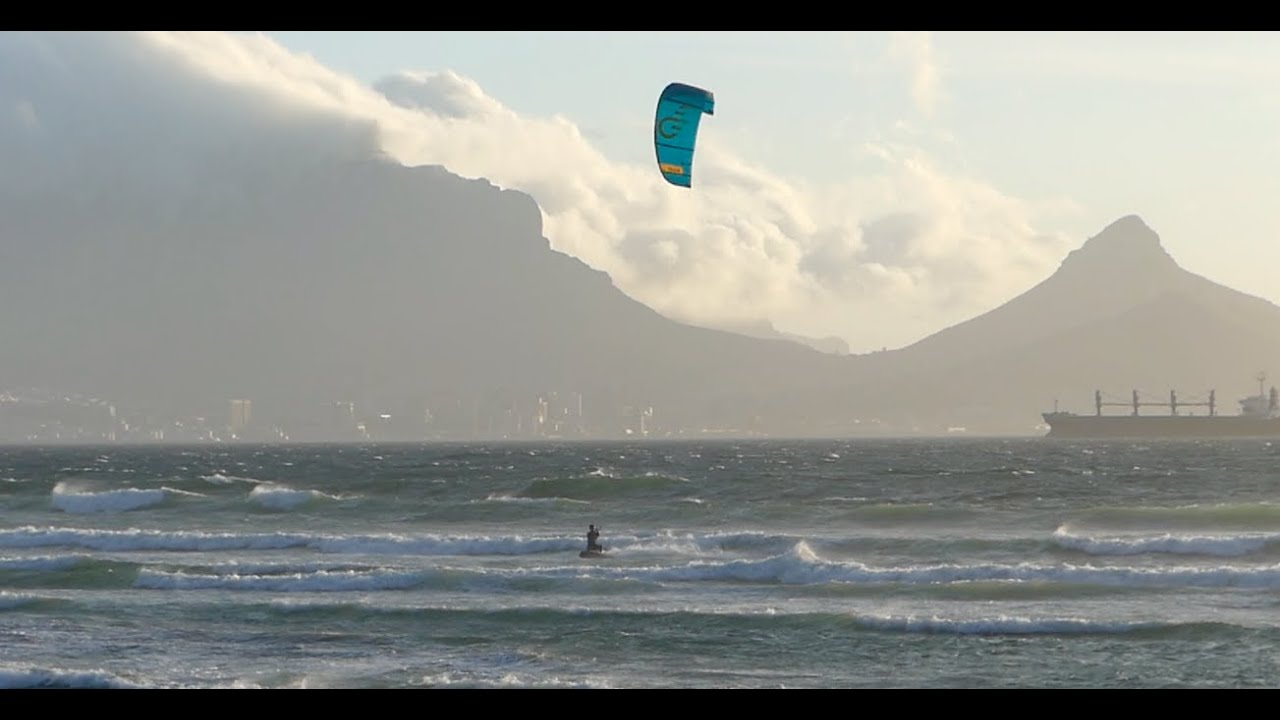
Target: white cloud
{"points": [[445, 93], [881, 259], [916, 49]]}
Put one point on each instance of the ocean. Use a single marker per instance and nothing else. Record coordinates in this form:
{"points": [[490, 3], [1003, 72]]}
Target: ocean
{"points": [[913, 563]]}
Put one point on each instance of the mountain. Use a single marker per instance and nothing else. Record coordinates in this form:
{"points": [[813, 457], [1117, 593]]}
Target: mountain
{"points": [[417, 294], [1119, 314], [765, 330], [397, 288]]}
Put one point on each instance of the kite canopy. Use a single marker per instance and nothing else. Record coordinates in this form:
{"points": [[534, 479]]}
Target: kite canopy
{"points": [[675, 129]]}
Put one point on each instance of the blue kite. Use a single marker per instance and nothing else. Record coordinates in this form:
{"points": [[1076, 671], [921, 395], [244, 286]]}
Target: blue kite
{"points": [[675, 130]]}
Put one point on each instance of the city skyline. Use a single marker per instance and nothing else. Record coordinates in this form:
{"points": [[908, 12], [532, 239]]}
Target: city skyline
{"points": [[549, 415]]}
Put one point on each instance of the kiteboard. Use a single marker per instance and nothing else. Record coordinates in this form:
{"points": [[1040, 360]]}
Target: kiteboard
{"points": [[591, 553]]}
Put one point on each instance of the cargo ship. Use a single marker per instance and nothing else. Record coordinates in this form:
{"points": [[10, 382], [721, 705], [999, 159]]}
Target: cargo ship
{"points": [[1259, 416]]}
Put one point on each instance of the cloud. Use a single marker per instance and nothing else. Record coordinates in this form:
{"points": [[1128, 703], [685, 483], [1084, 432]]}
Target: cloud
{"points": [[446, 94], [916, 49], [879, 259]]}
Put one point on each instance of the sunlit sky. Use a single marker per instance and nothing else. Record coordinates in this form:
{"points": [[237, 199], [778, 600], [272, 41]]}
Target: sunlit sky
{"points": [[873, 186], [1181, 128]]}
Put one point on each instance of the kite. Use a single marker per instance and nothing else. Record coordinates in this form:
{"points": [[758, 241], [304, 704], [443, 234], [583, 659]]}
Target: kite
{"points": [[675, 130]]}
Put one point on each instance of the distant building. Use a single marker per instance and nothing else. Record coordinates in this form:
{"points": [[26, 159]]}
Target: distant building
{"points": [[343, 422], [241, 414]]}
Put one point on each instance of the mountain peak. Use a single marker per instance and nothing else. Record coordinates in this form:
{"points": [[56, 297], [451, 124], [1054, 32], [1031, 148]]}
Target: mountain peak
{"points": [[1131, 223], [1126, 244]]}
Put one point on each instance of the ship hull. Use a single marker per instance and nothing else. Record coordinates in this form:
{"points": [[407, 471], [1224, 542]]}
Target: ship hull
{"points": [[1063, 425]]}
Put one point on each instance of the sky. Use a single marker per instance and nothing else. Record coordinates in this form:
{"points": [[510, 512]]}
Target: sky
{"points": [[876, 187]]}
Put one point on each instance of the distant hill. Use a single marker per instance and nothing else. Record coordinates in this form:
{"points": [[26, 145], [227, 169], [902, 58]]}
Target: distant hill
{"points": [[361, 281], [1119, 314], [408, 289], [765, 330]]}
